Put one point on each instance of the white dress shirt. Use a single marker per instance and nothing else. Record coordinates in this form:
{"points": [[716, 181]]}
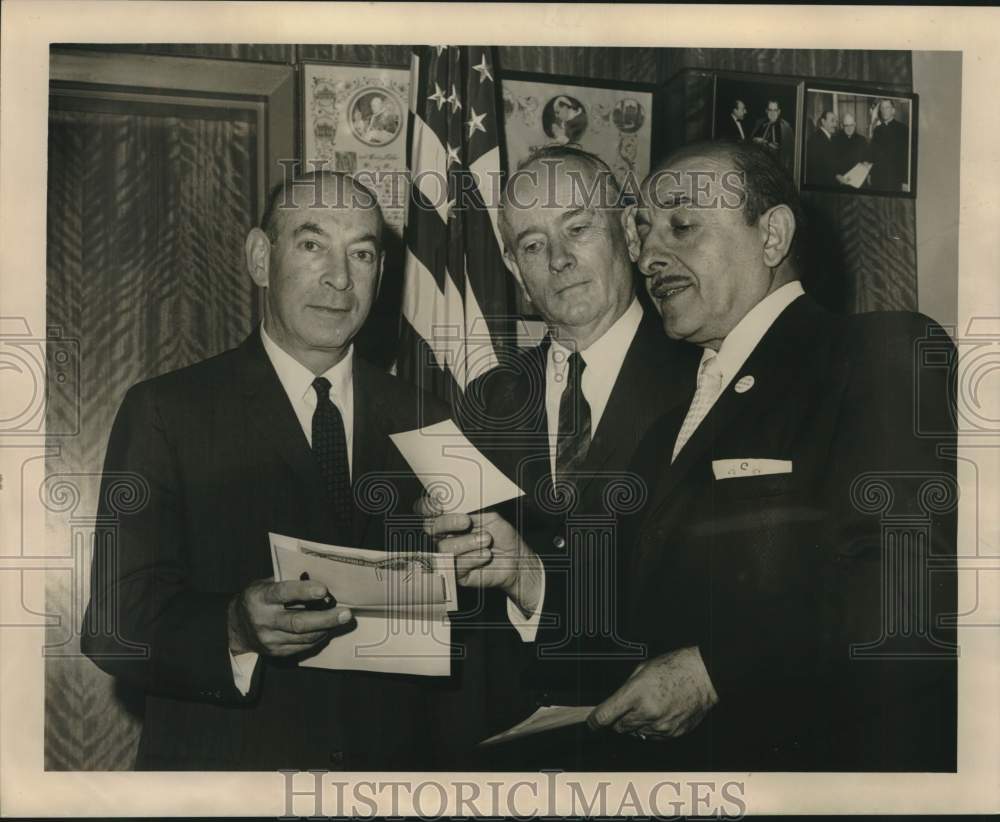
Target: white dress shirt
{"points": [[749, 331], [603, 358]]}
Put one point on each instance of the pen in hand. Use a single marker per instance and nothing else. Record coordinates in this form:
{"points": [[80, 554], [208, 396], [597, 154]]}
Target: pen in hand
{"points": [[327, 602]]}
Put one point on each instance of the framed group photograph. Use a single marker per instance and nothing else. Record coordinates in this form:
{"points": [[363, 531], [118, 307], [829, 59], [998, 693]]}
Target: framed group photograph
{"points": [[354, 118], [612, 120], [760, 109], [860, 140]]}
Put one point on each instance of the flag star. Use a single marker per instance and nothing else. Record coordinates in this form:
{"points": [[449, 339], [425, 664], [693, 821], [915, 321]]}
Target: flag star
{"points": [[453, 99], [440, 49], [475, 122], [452, 156], [448, 207], [438, 96], [484, 70]]}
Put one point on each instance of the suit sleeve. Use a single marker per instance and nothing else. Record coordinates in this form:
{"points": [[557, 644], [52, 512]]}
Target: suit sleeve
{"points": [[146, 622]]}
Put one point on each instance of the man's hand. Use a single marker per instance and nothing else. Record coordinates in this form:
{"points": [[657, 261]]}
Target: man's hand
{"points": [[260, 622], [489, 553], [667, 696]]}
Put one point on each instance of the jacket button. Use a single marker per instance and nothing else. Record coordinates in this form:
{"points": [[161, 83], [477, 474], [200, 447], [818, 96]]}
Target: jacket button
{"points": [[559, 542]]}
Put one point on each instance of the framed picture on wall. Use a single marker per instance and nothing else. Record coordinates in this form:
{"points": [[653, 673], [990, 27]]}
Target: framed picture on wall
{"points": [[354, 118], [860, 140], [761, 109], [612, 120]]}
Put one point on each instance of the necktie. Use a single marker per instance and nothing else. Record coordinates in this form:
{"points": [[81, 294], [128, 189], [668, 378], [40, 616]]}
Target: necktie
{"points": [[329, 444], [573, 437], [708, 387]]}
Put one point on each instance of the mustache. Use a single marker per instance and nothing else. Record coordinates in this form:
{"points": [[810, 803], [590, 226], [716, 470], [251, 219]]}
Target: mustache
{"points": [[664, 282]]}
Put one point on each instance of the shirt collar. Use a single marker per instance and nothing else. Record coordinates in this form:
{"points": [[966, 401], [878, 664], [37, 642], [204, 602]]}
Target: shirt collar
{"points": [[297, 380], [741, 341], [607, 352]]}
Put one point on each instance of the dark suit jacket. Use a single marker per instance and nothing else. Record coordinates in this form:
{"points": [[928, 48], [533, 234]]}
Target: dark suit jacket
{"points": [[890, 150], [221, 458], [778, 579], [849, 151], [577, 539], [730, 131], [821, 159]]}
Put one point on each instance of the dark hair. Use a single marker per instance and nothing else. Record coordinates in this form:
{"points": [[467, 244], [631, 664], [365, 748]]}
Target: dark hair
{"points": [[736, 102], [823, 116], [766, 183], [361, 196]]}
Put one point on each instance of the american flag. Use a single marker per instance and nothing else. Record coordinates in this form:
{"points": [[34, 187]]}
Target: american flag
{"points": [[457, 293]]}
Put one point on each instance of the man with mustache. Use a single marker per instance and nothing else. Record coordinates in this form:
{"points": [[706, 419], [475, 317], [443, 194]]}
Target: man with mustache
{"points": [[563, 419], [788, 628], [273, 436]]}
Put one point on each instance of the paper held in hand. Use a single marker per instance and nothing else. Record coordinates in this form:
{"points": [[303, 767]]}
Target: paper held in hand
{"points": [[400, 603], [546, 718], [453, 470], [856, 176]]}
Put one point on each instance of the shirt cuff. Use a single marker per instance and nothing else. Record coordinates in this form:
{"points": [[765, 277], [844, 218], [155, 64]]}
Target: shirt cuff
{"points": [[527, 627], [243, 668]]}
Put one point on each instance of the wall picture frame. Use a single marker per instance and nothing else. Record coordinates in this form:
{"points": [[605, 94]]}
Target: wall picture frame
{"points": [[613, 120], [763, 109], [354, 118], [859, 139]]}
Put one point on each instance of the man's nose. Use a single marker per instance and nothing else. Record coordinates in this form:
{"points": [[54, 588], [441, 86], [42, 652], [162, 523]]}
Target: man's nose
{"points": [[560, 258], [653, 260], [337, 274]]}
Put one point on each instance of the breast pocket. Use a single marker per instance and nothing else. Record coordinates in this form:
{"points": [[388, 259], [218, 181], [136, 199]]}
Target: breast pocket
{"points": [[753, 487]]}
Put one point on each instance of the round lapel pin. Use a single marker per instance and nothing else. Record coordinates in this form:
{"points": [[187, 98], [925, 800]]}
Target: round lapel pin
{"points": [[744, 384]]}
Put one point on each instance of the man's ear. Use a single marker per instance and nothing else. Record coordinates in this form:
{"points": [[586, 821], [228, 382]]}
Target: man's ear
{"points": [[777, 229], [631, 233], [258, 255]]}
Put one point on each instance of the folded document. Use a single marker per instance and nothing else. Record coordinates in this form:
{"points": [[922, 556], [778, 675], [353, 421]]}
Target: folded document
{"points": [[451, 468], [546, 718], [400, 603]]}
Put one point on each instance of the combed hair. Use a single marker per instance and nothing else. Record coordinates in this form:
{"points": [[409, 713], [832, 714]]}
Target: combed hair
{"points": [[276, 196], [766, 183], [557, 151]]}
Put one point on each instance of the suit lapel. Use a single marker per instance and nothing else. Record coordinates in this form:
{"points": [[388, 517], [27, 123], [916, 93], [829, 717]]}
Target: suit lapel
{"points": [[656, 375], [778, 360], [271, 415]]}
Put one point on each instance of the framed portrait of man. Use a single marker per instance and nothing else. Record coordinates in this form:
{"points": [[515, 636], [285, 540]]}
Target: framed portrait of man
{"points": [[612, 120], [859, 140], [354, 119], [760, 109]]}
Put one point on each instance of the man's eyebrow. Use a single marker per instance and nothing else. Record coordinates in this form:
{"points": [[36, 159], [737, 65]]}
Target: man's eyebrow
{"points": [[309, 227], [576, 212], [366, 238]]}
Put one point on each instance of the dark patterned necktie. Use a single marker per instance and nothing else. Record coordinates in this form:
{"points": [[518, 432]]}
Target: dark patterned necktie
{"points": [[329, 444], [573, 438]]}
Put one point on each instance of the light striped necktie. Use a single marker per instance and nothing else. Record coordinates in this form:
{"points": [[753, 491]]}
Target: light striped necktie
{"points": [[708, 387]]}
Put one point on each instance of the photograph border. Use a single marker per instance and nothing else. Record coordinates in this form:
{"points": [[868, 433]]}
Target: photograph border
{"points": [[870, 90]]}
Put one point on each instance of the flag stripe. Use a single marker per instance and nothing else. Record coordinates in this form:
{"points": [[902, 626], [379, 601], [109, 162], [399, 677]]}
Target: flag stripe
{"points": [[457, 293]]}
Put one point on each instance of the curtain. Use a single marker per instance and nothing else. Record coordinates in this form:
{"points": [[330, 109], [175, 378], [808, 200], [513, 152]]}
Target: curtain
{"points": [[148, 206]]}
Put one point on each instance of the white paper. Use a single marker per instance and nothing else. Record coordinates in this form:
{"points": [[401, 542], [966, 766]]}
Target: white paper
{"points": [[453, 470], [400, 604], [856, 176], [546, 718]]}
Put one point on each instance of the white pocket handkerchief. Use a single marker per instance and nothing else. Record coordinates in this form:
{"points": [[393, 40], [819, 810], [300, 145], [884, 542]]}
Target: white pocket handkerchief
{"points": [[731, 469]]}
